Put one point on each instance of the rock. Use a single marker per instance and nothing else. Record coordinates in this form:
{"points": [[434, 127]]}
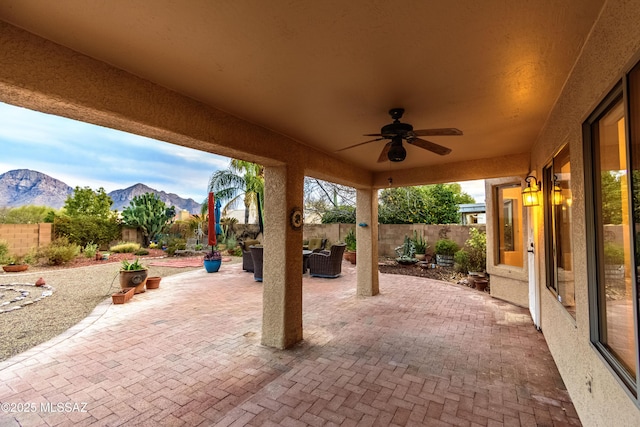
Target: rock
{"points": [[40, 282]]}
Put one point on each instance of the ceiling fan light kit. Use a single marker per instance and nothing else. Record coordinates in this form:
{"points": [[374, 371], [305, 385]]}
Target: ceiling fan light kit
{"points": [[397, 131]]}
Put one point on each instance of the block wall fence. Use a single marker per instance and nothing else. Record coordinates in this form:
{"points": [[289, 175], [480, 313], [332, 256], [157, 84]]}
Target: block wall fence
{"points": [[24, 237]]}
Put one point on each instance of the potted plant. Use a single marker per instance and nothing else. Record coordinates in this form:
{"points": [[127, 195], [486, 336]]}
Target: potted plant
{"points": [[15, 265], [445, 250], [133, 275], [406, 252], [350, 250], [420, 246], [212, 260]]}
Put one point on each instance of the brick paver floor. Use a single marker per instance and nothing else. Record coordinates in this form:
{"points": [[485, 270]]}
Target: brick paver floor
{"points": [[422, 352]]}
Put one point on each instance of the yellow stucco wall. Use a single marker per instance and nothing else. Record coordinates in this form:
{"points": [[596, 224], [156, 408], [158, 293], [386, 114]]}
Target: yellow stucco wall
{"points": [[611, 48]]}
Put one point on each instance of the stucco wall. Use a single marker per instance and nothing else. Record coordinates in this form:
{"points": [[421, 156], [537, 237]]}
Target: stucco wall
{"points": [[614, 43]]}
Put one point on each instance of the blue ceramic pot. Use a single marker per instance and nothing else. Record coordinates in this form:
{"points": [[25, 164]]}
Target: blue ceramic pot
{"points": [[212, 266]]}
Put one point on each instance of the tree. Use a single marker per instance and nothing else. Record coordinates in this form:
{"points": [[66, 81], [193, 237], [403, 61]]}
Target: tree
{"points": [[148, 213], [323, 197], [427, 204], [340, 215], [241, 179], [85, 201], [24, 214], [87, 218]]}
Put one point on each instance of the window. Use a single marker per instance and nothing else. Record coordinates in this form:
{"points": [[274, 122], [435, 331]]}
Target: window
{"points": [[509, 227], [558, 201], [612, 187]]}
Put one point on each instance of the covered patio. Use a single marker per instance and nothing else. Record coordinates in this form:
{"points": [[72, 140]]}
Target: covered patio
{"points": [[427, 353]]}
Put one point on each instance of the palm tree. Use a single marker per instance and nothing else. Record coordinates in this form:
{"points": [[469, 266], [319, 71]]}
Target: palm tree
{"points": [[242, 178]]}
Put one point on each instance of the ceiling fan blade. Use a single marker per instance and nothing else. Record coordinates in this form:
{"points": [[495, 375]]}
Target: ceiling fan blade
{"points": [[437, 132], [359, 144], [428, 145], [384, 155]]}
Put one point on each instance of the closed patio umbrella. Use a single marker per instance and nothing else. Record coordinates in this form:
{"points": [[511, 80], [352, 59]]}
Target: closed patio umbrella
{"points": [[218, 206], [211, 235]]}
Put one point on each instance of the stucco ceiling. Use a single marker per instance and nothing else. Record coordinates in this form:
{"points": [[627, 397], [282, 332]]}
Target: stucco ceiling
{"points": [[326, 72]]}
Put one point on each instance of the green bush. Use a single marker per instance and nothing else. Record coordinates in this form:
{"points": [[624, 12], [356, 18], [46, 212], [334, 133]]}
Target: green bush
{"points": [[340, 215], [125, 248], [4, 251], [350, 240], [175, 244], [613, 254], [90, 250], [85, 229], [446, 247], [461, 261], [60, 251], [141, 252]]}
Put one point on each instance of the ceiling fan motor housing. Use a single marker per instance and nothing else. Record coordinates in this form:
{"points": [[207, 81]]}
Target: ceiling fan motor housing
{"points": [[396, 129]]}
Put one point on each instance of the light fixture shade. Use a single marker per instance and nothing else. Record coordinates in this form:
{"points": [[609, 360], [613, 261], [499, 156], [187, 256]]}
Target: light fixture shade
{"points": [[556, 198], [397, 153], [531, 194]]}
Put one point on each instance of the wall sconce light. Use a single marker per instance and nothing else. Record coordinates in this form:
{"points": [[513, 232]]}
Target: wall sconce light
{"points": [[531, 194], [556, 197]]}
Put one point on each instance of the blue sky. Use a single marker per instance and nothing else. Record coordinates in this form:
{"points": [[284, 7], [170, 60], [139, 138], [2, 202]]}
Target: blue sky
{"points": [[82, 154]]}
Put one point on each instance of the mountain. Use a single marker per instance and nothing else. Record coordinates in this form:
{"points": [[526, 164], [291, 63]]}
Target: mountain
{"points": [[22, 187], [121, 198], [26, 187]]}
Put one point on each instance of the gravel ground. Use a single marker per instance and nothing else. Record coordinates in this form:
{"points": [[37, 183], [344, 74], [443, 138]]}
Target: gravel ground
{"points": [[77, 291]]}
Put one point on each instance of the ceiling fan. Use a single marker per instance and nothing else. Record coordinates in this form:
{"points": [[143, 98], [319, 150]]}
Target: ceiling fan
{"points": [[396, 132]]}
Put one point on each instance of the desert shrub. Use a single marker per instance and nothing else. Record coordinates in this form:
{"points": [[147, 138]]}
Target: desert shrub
{"points": [[141, 252], [461, 261], [90, 250], [60, 251], [125, 248], [235, 251], [4, 251], [176, 244], [86, 229], [446, 247]]}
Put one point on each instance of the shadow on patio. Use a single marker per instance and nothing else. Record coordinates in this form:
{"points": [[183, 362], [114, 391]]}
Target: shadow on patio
{"points": [[421, 353]]}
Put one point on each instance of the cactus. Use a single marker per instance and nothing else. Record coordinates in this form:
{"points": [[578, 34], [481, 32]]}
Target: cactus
{"points": [[148, 213]]}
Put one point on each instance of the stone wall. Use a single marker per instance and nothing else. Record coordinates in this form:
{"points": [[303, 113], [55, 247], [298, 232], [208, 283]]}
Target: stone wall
{"points": [[24, 237]]}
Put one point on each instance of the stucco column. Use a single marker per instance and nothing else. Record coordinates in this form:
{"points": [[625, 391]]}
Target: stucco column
{"points": [[367, 241], [282, 271]]}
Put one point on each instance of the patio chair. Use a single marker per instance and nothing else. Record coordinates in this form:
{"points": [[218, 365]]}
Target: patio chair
{"points": [[256, 255], [327, 263], [247, 260]]}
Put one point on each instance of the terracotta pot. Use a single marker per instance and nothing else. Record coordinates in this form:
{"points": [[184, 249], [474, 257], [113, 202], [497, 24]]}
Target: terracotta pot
{"points": [[123, 296], [133, 279], [350, 256], [421, 257], [153, 282], [481, 284], [15, 268]]}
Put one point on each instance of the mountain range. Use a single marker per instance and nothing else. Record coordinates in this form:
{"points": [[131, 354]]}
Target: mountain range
{"points": [[22, 187]]}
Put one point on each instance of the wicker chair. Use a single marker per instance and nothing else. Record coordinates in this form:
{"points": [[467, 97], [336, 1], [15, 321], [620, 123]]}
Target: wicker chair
{"points": [[256, 255], [247, 260], [327, 263]]}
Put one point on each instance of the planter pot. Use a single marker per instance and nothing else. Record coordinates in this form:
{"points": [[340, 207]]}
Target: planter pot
{"points": [[15, 268], [212, 266], [444, 260], [123, 296], [133, 279], [421, 257], [350, 256], [105, 257], [153, 282], [98, 256], [481, 284]]}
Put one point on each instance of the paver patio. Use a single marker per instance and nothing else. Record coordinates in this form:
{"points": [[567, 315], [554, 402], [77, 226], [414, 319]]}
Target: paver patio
{"points": [[421, 353]]}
